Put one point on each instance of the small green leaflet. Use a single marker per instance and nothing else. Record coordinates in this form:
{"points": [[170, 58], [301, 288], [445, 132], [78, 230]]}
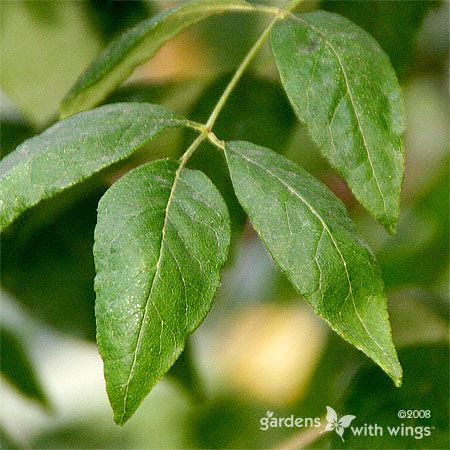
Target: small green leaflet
{"points": [[116, 63], [74, 149], [342, 86], [309, 235], [161, 239]]}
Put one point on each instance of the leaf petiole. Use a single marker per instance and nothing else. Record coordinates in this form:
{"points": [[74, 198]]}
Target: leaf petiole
{"points": [[240, 71]]}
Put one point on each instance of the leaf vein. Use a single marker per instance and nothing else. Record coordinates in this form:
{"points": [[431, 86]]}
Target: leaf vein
{"points": [[148, 296], [186, 304]]}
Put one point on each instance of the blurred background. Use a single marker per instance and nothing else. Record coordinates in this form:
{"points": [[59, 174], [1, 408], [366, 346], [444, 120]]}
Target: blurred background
{"points": [[261, 348]]}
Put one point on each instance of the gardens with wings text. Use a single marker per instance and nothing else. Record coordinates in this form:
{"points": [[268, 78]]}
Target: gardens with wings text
{"points": [[340, 425]]}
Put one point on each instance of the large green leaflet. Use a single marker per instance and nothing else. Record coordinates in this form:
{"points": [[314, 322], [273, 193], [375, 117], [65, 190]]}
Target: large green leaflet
{"points": [[162, 237], [342, 86], [307, 231], [124, 54], [74, 149]]}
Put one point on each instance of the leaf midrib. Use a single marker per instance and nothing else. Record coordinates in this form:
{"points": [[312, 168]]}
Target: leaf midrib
{"points": [[150, 291]]}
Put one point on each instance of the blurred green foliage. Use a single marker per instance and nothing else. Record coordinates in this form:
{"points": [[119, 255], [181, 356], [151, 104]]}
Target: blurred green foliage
{"points": [[49, 265], [16, 366], [393, 24], [423, 389], [426, 224]]}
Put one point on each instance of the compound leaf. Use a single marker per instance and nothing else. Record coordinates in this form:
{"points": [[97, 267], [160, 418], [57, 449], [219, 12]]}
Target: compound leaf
{"points": [[74, 149], [124, 54], [342, 86], [307, 231], [161, 239]]}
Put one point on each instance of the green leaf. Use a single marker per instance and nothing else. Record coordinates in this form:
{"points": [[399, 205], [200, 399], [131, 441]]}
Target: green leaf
{"points": [[47, 263], [17, 367], [342, 86], [307, 231], [74, 149], [124, 54], [419, 254], [162, 237], [185, 373], [114, 17], [14, 131]]}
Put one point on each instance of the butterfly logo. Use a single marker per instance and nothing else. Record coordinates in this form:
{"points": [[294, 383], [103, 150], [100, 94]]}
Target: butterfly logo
{"points": [[338, 425]]}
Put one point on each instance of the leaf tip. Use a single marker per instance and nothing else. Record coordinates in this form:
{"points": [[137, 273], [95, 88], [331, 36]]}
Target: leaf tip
{"points": [[389, 221], [395, 372], [119, 421], [121, 416], [64, 111], [391, 227], [44, 401], [398, 378]]}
